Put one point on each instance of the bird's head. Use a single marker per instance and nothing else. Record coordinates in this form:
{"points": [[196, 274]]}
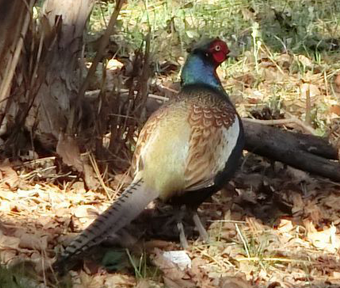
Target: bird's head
{"points": [[204, 58], [213, 51]]}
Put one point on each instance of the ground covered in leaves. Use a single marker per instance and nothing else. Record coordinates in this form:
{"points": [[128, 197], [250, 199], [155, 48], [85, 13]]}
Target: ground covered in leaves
{"points": [[272, 226], [280, 231]]}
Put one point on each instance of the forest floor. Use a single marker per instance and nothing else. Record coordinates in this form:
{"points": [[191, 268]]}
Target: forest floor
{"points": [[272, 226]]}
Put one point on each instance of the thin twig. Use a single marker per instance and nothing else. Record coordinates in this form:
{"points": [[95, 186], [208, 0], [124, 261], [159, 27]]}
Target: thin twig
{"points": [[103, 44], [121, 184], [222, 264], [169, 89], [308, 107], [270, 121], [95, 93], [227, 221], [270, 55], [99, 176], [275, 259], [243, 240]]}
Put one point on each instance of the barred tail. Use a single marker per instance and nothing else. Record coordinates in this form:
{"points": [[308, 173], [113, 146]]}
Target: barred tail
{"points": [[127, 207]]}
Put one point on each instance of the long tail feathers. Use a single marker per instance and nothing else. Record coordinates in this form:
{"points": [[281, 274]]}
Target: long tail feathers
{"points": [[127, 207]]}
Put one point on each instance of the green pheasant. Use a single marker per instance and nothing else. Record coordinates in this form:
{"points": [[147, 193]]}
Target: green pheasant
{"points": [[187, 150]]}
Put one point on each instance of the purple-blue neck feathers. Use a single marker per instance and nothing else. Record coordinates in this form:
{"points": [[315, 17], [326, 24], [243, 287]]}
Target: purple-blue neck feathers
{"points": [[199, 70]]}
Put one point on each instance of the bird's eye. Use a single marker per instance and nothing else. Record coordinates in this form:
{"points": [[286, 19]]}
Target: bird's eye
{"points": [[217, 48]]}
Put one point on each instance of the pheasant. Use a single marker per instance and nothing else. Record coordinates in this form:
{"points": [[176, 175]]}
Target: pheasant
{"points": [[187, 150]]}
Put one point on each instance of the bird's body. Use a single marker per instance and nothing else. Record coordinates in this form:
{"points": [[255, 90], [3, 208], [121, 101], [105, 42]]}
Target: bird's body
{"points": [[195, 136], [185, 152]]}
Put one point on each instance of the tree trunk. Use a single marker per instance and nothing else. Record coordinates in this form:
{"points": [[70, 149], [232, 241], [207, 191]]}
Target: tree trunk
{"points": [[48, 76], [63, 26]]}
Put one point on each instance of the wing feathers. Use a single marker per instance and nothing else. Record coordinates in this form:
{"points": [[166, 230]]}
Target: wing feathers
{"points": [[215, 131]]}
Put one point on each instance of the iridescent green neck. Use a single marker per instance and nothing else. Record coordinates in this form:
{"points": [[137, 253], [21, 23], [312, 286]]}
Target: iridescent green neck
{"points": [[198, 71]]}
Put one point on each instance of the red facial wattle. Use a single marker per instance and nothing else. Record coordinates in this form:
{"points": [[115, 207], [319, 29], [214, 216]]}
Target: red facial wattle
{"points": [[219, 56]]}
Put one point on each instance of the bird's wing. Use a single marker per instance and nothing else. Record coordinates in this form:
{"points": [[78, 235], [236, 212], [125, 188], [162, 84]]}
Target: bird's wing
{"points": [[215, 129]]}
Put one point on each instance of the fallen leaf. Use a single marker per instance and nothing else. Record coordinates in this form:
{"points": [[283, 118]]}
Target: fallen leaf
{"points": [[332, 201], [335, 109], [285, 226], [143, 283], [298, 203], [305, 61], [32, 241], [86, 211], [312, 89], [68, 150], [180, 258], [119, 281], [89, 281], [7, 255], [284, 60], [313, 211], [8, 241], [235, 282], [114, 64], [326, 240], [5, 206], [297, 175], [90, 177], [8, 175], [336, 275], [337, 83], [170, 269], [173, 276]]}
